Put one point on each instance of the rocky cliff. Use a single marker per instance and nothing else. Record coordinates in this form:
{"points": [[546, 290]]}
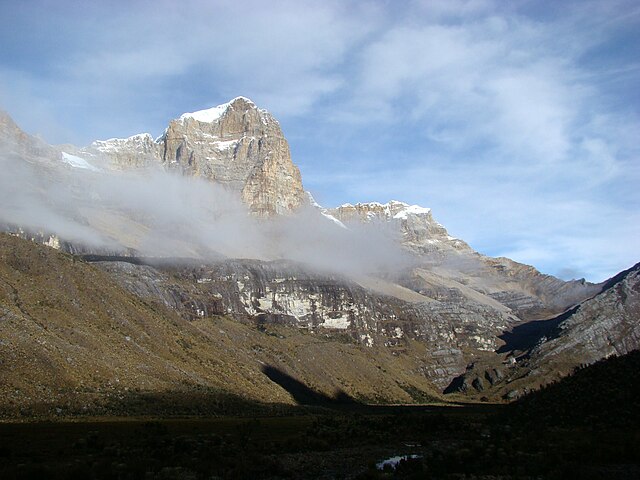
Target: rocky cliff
{"points": [[286, 293], [137, 151], [419, 232], [15, 142], [605, 325], [448, 269], [235, 144], [539, 352]]}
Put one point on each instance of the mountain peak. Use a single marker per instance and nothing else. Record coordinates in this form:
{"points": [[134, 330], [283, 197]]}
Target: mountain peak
{"points": [[392, 209], [212, 114]]}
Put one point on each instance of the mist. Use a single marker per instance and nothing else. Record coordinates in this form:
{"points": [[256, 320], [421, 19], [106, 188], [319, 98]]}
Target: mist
{"points": [[155, 213]]}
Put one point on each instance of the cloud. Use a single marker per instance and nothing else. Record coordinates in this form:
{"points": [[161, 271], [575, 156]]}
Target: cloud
{"points": [[117, 61], [477, 84], [156, 213], [524, 106]]}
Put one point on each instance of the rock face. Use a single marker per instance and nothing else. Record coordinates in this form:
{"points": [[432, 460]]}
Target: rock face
{"points": [[449, 270], [138, 151], [539, 352], [13, 141], [241, 146], [287, 293], [420, 233], [235, 144], [605, 325]]}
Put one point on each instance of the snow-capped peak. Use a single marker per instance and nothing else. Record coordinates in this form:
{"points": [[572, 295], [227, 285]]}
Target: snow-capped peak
{"points": [[393, 208], [210, 115], [116, 144]]}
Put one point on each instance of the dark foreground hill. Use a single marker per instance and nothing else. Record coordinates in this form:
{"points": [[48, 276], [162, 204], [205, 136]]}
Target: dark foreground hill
{"points": [[605, 394]]}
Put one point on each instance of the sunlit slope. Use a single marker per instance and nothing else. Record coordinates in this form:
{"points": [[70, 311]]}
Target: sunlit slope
{"points": [[72, 339]]}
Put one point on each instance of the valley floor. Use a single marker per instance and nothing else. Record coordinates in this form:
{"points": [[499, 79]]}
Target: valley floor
{"points": [[347, 442]]}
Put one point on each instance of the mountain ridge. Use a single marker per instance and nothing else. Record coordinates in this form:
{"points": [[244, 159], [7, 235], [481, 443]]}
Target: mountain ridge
{"points": [[265, 255]]}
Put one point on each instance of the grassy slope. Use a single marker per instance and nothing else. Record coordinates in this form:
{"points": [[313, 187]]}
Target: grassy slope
{"points": [[71, 339]]}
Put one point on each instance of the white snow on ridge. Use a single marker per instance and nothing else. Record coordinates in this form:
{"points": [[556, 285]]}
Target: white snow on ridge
{"points": [[323, 211], [210, 115], [78, 162], [412, 210], [402, 209], [116, 144], [334, 219]]}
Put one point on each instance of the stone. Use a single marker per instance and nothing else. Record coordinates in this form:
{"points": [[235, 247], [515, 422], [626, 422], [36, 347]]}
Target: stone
{"points": [[235, 144]]}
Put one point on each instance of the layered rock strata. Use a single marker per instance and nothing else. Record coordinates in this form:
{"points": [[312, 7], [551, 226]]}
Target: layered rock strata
{"points": [[539, 352], [286, 293]]}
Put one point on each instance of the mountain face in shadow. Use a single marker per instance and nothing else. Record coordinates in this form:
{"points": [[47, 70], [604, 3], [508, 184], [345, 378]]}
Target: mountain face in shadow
{"points": [[606, 393], [302, 394]]}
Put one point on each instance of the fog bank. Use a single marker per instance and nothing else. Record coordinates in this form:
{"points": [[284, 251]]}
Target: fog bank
{"points": [[159, 214]]}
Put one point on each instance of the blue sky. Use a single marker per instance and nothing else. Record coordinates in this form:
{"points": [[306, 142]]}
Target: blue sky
{"points": [[517, 122]]}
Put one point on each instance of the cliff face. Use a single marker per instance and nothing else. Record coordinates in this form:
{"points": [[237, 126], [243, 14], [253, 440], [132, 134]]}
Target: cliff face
{"points": [[137, 151], [235, 144], [448, 269], [538, 353], [13, 141], [240, 146], [288, 294], [419, 232], [604, 325]]}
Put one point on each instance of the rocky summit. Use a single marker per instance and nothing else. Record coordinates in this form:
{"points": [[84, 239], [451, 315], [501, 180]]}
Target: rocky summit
{"points": [[235, 144], [196, 262]]}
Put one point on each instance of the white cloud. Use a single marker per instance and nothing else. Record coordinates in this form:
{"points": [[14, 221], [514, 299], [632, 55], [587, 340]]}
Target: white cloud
{"points": [[285, 56], [498, 115], [481, 82]]}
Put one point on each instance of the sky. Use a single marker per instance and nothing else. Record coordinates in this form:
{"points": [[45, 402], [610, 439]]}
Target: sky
{"points": [[517, 122]]}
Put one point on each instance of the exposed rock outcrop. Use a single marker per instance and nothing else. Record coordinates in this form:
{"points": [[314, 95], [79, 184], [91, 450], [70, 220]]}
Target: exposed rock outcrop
{"points": [[449, 270], [137, 151], [235, 144], [606, 325], [241, 146], [14, 141], [419, 232]]}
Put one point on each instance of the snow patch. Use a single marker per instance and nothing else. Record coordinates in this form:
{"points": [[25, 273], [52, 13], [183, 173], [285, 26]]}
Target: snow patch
{"points": [[334, 220], [324, 211], [411, 210], [211, 115], [78, 162], [224, 145]]}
